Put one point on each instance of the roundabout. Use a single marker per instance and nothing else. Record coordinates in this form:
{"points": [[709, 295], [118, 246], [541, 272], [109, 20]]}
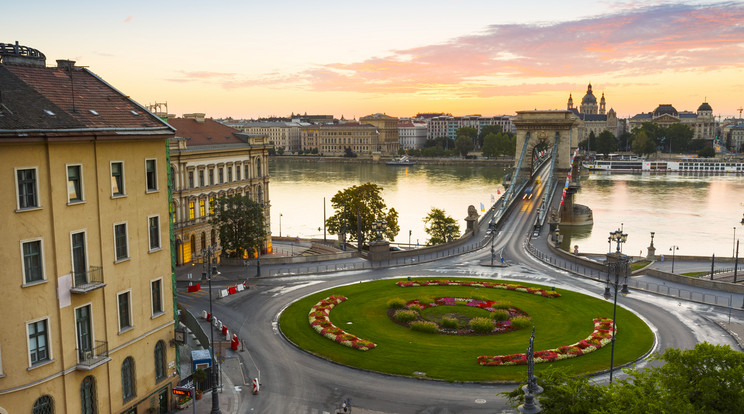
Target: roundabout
{"points": [[352, 325]]}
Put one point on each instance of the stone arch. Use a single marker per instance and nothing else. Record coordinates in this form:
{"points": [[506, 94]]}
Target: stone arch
{"points": [[542, 126]]}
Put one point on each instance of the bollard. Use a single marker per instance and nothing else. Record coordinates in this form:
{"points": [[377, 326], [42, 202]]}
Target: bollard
{"points": [[256, 386], [224, 329], [234, 342], [209, 317], [204, 314]]}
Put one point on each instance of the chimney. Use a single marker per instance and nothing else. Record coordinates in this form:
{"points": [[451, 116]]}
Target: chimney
{"points": [[65, 64], [198, 117]]}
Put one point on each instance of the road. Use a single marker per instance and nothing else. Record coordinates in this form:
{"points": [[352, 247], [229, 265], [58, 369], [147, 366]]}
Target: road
{"points": [[293, 381]]}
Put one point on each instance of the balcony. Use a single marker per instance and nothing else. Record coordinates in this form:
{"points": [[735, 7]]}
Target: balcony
{"points": [[84, 282], [92, 358]]}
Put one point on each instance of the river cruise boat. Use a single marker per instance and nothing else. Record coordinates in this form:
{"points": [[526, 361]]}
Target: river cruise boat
{"points": [[697, 165], [404, 160]]}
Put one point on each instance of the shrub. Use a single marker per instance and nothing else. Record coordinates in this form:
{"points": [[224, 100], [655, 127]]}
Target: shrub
{"points": [[481, 325], [426, 300], [500, 315], [521, 322], [502, 305], [405, 315], [414, 307], [396, 303], [425, 326], [450, 323]]}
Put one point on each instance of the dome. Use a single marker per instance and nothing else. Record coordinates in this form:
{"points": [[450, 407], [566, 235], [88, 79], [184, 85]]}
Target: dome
{"points": [[665, 109], [589, 98], [705, 107]]}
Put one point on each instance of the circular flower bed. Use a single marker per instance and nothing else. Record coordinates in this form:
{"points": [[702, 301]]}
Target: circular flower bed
{"points": [[499, 326], [492, 285], [601, 336], [319, 320]]}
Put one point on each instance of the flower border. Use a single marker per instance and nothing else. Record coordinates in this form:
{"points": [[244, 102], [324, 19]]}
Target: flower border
{"points": [[600, 337], [320, 321], [493, 285]]}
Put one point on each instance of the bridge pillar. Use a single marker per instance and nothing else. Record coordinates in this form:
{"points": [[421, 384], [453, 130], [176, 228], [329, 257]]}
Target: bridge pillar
{"points": [[542, 126]]}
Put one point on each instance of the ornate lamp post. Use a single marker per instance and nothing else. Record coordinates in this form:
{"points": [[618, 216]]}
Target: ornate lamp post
{"points": [[379, 226], [673, 249], [212, 271], [617, 269]]}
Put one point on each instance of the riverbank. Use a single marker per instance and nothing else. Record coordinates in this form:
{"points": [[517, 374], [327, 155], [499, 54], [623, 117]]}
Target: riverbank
{"points": [[502, 161]]}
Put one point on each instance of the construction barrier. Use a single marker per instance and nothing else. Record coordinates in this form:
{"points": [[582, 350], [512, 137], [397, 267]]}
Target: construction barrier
{"points": [[234, 342], [255, 385], [194, 288]]}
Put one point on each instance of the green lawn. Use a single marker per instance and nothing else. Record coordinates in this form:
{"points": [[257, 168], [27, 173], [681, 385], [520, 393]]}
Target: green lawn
{"points": [[401, 351]]}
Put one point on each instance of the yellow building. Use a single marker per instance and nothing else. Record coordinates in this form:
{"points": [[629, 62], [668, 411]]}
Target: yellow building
{"points": [[387, 127], [333, 139], [88, 309], [211, 160]]}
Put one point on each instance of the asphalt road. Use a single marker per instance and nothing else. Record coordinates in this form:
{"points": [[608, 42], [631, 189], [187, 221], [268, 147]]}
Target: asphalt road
{"points": [[295, 382]]}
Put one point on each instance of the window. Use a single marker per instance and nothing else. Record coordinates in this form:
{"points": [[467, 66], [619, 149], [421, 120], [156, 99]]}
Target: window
{"points": [[28, 193], [237, 173], [120, 241], [211, 206], [74, 184], [211, 176], [192, 213], [43, 405], [125, 319], [258, 167], [153, 226], [33, 270], [220, 175], [156, 288], [191, 179], [229, 174], [201, 178], [202, 208], [246, 167], [38, 341], [117, 179], [159, 361], [151, 174], [88, 395], [79, 259], [127, 379]]}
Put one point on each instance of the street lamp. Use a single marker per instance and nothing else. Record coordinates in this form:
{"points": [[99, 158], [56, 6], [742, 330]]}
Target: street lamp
{"points": [[280, 224], [733, 247], [673, 249], [379, 226], [617, 269], [212, 271]]}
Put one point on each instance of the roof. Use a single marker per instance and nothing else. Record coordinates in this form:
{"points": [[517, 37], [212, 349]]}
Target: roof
{"points": [[704, 107], [67, 98], [209, 132], [377, 116]]}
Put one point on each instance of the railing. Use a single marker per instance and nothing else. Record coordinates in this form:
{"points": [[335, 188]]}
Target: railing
{"points": [[91, 279], [91, 358]]}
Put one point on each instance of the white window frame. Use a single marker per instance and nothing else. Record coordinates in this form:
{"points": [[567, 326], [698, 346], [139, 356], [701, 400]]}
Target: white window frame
{"points": [[123, 190], [80, 179], [43, 262], [149, 236], [162, 299], [50, 356], [118, 312], [157, 187], [126, 232], [18, 189]]}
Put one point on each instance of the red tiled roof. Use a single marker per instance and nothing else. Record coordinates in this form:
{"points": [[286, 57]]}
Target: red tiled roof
{"points": [[71, 95], [209, 132]]}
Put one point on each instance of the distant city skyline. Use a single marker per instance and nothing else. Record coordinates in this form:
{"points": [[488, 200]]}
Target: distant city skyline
{"points": [[250, 60]]}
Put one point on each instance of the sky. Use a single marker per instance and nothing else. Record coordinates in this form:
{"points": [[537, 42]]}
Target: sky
{"points": [[250, 59]]}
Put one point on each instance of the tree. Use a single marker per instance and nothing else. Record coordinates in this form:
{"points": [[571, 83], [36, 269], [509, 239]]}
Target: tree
{"points": [[464, 144], [706, 152], [361, 205], [440, 227], [679, 137], [240, 223], [348, 153], [469, 132], [490, 145], [706, 379], [642, 144], [506, 144], [485, 131], [606, 143]]}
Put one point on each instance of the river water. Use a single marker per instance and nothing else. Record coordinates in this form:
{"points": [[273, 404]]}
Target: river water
{"points": [[697, 212]]}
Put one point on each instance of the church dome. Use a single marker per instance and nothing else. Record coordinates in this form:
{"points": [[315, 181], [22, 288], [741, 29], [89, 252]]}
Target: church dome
{"points": [[705, 107], [589, 98], [665, 109]]}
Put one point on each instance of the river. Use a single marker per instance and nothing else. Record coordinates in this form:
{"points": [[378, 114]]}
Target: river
{"points": [[697, 212]]}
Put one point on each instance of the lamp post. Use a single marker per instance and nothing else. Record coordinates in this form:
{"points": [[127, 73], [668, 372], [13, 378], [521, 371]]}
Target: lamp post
{"points": [[617, 269], [733, 247], [280, 224], [673, 249], [409, 239], [379, 226], [258, 259], [212, 271]]}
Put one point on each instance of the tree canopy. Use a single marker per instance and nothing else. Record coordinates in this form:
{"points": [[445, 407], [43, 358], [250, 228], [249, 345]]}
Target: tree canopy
{"points": [[464, 144], [440, 227], [363, 205], [706, 379], [240, 223]]}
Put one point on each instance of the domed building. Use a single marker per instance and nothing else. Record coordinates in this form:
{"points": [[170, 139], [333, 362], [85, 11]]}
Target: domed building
{"points": [[702, 121], [593, 116]]}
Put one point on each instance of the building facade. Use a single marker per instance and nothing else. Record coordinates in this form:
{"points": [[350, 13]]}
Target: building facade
{"points": [[387, 128], [280, 134], [447, 125], [210, 160], [88, 299], [702, 122], [411, 135], [594, 117], [333, 139]]}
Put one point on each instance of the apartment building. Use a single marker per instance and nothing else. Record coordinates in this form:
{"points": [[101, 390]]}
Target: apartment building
{"points": [[88, 323]]}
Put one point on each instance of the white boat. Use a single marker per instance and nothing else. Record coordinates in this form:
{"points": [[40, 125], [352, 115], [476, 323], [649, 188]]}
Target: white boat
{"points": [[404, 160], [696, 165]]}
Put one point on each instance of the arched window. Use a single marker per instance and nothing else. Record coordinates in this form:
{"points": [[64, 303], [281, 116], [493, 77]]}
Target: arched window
{"points": [[203, 241], [43, 405], [213, 236], [88, 395], [258, 167], [193, 245], [159, 361], [128, 390]]}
